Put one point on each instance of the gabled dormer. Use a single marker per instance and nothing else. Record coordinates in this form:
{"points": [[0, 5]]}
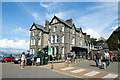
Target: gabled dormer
{"points": [[33, 27], [54, 20]]}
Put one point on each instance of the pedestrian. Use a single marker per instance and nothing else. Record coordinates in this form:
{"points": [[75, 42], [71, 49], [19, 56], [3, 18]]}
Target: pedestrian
{"points": [[74, 56], [98, 58], [107, 59], [111, 56], [23, 60], [71, 55], [65, 56]]}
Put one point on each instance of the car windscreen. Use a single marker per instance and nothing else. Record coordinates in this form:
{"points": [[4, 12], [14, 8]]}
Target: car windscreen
{"points": [[2, 57]]}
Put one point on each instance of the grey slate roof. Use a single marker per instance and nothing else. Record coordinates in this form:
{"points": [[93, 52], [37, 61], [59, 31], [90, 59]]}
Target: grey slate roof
{"points": [[39, 27], [62, 21]]}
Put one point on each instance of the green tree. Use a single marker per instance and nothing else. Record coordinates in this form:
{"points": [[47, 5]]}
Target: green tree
{"points": [[94, 41]]}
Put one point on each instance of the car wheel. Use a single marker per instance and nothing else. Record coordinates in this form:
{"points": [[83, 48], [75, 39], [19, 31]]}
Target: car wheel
{"points": [[19, 62], [6, 61]]}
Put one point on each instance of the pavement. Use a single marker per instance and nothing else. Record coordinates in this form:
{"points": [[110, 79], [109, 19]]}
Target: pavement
{"points": [[83, 70], [86, 69]]}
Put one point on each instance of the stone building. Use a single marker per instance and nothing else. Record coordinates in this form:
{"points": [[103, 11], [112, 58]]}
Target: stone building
{"points": [[62, 36]]}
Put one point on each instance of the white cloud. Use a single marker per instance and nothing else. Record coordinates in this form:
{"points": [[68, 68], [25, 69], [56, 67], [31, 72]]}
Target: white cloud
{"points": [[19, 45], [36, 16], [93, 33], [47, 5], [21, 30], [115, 27], [100, 19]]}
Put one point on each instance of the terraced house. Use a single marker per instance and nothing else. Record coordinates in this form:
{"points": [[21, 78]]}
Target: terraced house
{"points": [[62, 36]]}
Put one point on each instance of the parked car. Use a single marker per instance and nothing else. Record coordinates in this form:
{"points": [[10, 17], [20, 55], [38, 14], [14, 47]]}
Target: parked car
{"points": [[41, 56], [1, 59], [7, 59], [17, 60]]}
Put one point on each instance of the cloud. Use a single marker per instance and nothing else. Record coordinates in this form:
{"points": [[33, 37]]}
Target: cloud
{"points": [[21, 30], [36, 16], [13, 46], [47, 5], [115, 27], [100, 20], [19, 44], [93, 33]]}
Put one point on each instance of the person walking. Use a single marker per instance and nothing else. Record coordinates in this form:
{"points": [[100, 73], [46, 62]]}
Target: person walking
{"points": [[74, 55], [107, 59], [111, 56], [65, 56], [23, 59], [98, 58]]}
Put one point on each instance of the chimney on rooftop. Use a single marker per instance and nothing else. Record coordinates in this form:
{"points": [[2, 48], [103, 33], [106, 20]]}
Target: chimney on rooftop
{"points": [[47, 25], [69, 21]]}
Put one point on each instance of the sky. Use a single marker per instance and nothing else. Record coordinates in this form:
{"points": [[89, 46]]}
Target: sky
{"points": [[97, 19]]}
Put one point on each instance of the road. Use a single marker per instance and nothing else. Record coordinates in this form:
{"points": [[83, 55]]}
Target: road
{"points": [[14, 71]]}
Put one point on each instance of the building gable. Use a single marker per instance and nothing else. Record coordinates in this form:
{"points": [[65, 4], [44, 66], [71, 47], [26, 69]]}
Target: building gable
{"points": [[33, 27]]}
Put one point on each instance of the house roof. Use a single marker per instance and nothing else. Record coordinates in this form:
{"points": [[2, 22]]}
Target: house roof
{"points": [[64, 22], [39, 27], [61, 21]]}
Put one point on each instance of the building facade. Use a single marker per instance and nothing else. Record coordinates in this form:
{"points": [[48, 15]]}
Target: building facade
{"points": [[62, 36]]}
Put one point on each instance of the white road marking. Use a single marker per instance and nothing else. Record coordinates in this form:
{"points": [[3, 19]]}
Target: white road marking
{"points": [[67, 68], [91, 73], [78, 70], [110, 76]]}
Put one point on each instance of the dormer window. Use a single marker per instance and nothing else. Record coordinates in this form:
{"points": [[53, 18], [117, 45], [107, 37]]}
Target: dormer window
{"points": [[54, 21]]}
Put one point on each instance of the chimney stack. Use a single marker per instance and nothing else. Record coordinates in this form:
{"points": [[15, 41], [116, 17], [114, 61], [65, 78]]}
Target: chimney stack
{"points": [[47, 25], [69, 21]]}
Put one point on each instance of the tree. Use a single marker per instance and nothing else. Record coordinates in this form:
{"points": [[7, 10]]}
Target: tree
{"points": [[94, 41]]}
